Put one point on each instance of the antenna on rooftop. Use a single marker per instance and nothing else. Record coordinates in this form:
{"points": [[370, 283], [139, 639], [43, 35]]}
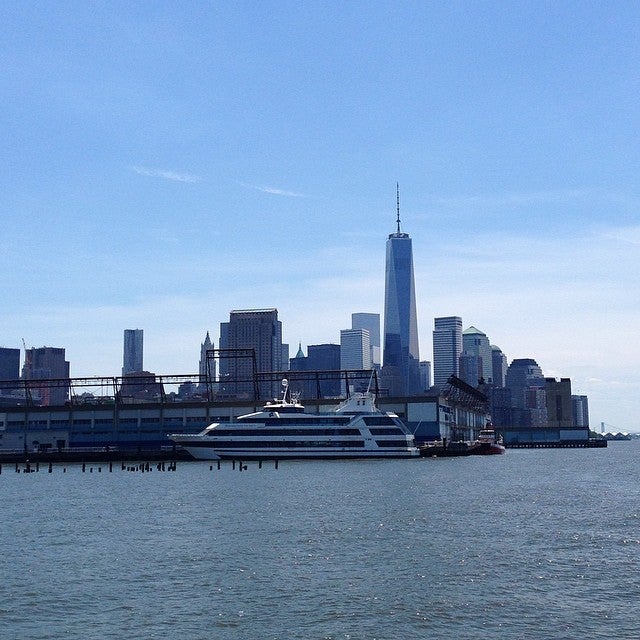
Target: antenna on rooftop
{"points": [[398, 205]]}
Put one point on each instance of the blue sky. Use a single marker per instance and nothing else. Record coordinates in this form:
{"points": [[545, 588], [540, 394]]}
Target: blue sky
{"points": [[164, 163]]}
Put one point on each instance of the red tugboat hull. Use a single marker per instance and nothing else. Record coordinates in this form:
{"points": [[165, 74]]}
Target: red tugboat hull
{"points": [[488, 443]]}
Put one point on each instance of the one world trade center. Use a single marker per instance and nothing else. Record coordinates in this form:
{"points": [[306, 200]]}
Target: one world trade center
{"points": [[400, 370]]}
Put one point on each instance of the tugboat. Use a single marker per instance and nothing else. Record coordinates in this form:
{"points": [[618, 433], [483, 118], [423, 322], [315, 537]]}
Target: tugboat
{"points": [[488, 442]]}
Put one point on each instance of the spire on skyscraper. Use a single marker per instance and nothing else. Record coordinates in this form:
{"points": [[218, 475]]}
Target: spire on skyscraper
{"points": [[398, 206]]}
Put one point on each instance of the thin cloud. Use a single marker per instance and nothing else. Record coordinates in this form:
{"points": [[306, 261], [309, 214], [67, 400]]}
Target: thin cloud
{"points": [[165, 174], [630, 235], [517, 199], [274, 191]]}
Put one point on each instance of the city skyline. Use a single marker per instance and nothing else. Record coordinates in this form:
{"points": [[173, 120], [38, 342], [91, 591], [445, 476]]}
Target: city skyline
{"points": [[167, 164]]}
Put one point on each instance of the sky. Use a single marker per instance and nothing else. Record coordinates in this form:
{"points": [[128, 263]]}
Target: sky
{"points": [[164, 163]]}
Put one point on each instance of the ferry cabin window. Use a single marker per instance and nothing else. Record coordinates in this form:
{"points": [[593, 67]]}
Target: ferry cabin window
{"points": [[268, 433], [384, 431], [371, 421], [278, 444], [391, 443]]}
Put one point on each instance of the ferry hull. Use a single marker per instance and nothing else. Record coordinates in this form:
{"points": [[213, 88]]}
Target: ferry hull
{"points": [[206, 453]]}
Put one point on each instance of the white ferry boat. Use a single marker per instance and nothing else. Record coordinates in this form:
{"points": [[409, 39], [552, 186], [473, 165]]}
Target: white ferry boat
{"points": [[284, 430]]}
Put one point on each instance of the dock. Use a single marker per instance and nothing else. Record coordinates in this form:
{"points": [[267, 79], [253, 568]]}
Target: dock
{"points": [[592, 443]]}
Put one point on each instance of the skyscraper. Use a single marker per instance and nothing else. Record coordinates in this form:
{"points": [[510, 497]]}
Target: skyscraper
{"points": [[132, 358], [48, 363], [9, 363], [400, 371], [425, 375], [203, 370], [499, 366], [206, 366], [325, 357], [370, 322], [580, 411], [559, 403], [355, 351], [447, 347], [528, 397], [253, 329], [476, 344]]}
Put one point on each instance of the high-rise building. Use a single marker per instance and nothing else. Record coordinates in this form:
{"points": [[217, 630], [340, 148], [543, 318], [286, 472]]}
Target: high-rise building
{"points": [[447, 347], [321, 361], [47, 363], [325, 357], [355, 351], [400, 372], [425, 375], [498, 366], [133, 344], [559, 405], [527, 384], [370, 322], [284, 364], [580, 411], [470, 369], [9, 363], [203, 365], [257, 330], [475, 343]]}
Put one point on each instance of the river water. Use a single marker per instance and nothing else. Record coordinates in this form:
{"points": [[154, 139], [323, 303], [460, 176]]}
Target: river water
{"points": [[532, 544]]}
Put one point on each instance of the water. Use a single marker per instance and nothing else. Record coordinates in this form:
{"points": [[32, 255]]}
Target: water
{"points": [[533, 544]]}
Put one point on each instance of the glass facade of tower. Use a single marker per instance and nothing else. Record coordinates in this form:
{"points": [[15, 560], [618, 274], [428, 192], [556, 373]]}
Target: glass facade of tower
{"points": [[371, 322], [447, 348], [401, 372], [9, 363], [133, 345], [355, 349]]}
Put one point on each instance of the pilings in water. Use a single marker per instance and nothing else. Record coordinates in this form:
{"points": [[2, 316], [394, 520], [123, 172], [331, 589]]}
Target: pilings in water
{"points": [[140, 467]]}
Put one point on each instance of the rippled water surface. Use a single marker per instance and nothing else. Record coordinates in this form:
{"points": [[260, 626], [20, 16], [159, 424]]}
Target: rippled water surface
{"points": [[533, 544]]}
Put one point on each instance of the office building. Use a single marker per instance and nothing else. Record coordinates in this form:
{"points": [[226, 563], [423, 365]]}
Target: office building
{"points": [[498, 366], [206, 365], [323, 357], [559, 405], [447, 348], [9, 363], [528, 398], [259, 332], [425, 375], [320, 361], [401, 371], [370, 322], [580, 411], [470, 369], [355, 351], [132, 358], [355, 355], [476, 344], [47, 363], [284, 364]]}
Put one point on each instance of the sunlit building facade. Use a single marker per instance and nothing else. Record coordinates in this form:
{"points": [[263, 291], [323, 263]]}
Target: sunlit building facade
{"points": [[447, 348]]}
